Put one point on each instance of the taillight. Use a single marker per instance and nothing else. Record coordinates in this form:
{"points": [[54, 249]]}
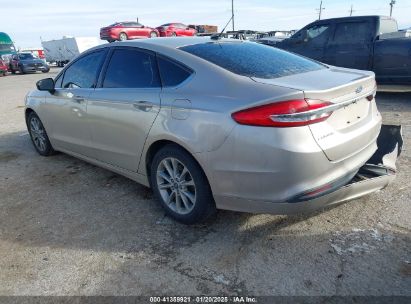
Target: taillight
{"points": [[290, 113]]}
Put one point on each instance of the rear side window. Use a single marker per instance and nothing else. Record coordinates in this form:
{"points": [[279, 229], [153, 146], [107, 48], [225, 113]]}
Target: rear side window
{"points": [[171, 72], [83, 72], [253, 59], [352, 32], [132, 68]]}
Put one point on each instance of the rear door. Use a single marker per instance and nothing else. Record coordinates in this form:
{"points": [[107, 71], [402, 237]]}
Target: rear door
{"points": [[123, 108], [351, 45]]}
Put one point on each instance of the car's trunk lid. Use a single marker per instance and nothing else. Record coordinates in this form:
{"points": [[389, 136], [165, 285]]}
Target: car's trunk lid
{"points": [[352, 125]]}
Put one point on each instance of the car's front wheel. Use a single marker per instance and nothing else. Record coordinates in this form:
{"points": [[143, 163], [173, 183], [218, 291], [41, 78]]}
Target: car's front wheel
{"points": [[153, 35], [181, 186], [39, 135]]}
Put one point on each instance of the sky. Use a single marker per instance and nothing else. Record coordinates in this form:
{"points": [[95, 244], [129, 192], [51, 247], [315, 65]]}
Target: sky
{"points": [[27, 21]]}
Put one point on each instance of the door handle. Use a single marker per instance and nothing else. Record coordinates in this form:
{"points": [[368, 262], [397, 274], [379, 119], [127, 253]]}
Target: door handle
{"points": [[143, 105], [78, 99]]}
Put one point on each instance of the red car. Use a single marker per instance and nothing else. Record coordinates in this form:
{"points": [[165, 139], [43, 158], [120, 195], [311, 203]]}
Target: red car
{"points": [[3, 68], [127, 30], [175, 29]]}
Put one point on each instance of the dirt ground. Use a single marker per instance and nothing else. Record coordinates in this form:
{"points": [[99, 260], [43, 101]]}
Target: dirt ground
{"points": [[70, 228]]}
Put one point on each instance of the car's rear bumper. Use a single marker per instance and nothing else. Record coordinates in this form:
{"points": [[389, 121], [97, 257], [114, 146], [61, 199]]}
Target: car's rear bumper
{"points": [[375, 175], [108, 36]]}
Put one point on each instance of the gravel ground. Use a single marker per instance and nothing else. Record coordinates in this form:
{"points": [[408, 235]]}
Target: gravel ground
{"points": [[70, 228]]}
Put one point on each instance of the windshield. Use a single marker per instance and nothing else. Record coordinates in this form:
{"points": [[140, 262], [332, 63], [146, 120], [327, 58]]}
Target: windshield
{"points": [[253, 59], [26, 56], [7, 47]]}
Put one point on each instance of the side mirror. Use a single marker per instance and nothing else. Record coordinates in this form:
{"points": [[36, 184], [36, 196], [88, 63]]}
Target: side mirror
{"points": [[46, 84]]}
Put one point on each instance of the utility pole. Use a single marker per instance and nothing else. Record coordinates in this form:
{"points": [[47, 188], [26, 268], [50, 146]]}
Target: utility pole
{"points": [[391, 6], [351, 10], [232, 13], [320, 10]]}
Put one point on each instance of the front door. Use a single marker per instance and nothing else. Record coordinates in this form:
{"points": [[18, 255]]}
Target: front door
{"points": [[310, 42], [122, 110], [66, 108]]}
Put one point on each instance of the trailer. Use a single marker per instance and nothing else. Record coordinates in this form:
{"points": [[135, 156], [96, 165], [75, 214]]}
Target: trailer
{"points": [[61, 51]]}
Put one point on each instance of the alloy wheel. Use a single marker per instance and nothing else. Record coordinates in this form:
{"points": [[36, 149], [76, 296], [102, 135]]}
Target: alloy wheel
{"points": [[176, 185], [38, 134]]}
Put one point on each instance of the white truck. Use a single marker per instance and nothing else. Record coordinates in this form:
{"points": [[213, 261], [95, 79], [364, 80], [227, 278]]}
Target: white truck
{"points": [[61, 51]]}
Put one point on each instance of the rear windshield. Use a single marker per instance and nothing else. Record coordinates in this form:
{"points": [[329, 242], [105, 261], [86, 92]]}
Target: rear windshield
{"points": [[253, 59]]}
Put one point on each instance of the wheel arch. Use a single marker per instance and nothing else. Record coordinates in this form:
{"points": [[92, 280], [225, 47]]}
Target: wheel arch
{"points": [[159, 144], [27, 112]]}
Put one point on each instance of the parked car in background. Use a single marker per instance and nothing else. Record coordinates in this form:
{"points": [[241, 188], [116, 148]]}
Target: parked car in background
{"points": [[26, 63], [7, 48], [3, 68], [215, 123], [61, 51], [38, 52], [204, 28], [366, 42], [126, 31], [175, 29]]}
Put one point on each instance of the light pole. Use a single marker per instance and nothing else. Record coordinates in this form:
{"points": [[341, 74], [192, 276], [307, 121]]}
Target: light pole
{"points": [[351, 10], [320, 10], [232, 13]]}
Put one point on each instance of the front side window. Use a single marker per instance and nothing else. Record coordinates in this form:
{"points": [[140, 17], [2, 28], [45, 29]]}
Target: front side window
{"points": [[253, 59], [317, 31], [132, 68], [83, 72], [172, 73]]}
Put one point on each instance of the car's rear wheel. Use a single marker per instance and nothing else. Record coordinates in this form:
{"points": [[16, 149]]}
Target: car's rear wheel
{"points": [[39, 135], [122, 37], [173, 34], [181, 186], [153, 35]]}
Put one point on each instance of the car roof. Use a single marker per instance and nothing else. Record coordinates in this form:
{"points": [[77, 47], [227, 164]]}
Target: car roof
{"points": [[174, 43]]}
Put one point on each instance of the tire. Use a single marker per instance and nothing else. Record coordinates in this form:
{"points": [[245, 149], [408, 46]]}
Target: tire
{"points": [[123, 36], [46, 71], [190, 195], [153, 35], [173, 34], [39, 135], [12, 70], [21, 70]]}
